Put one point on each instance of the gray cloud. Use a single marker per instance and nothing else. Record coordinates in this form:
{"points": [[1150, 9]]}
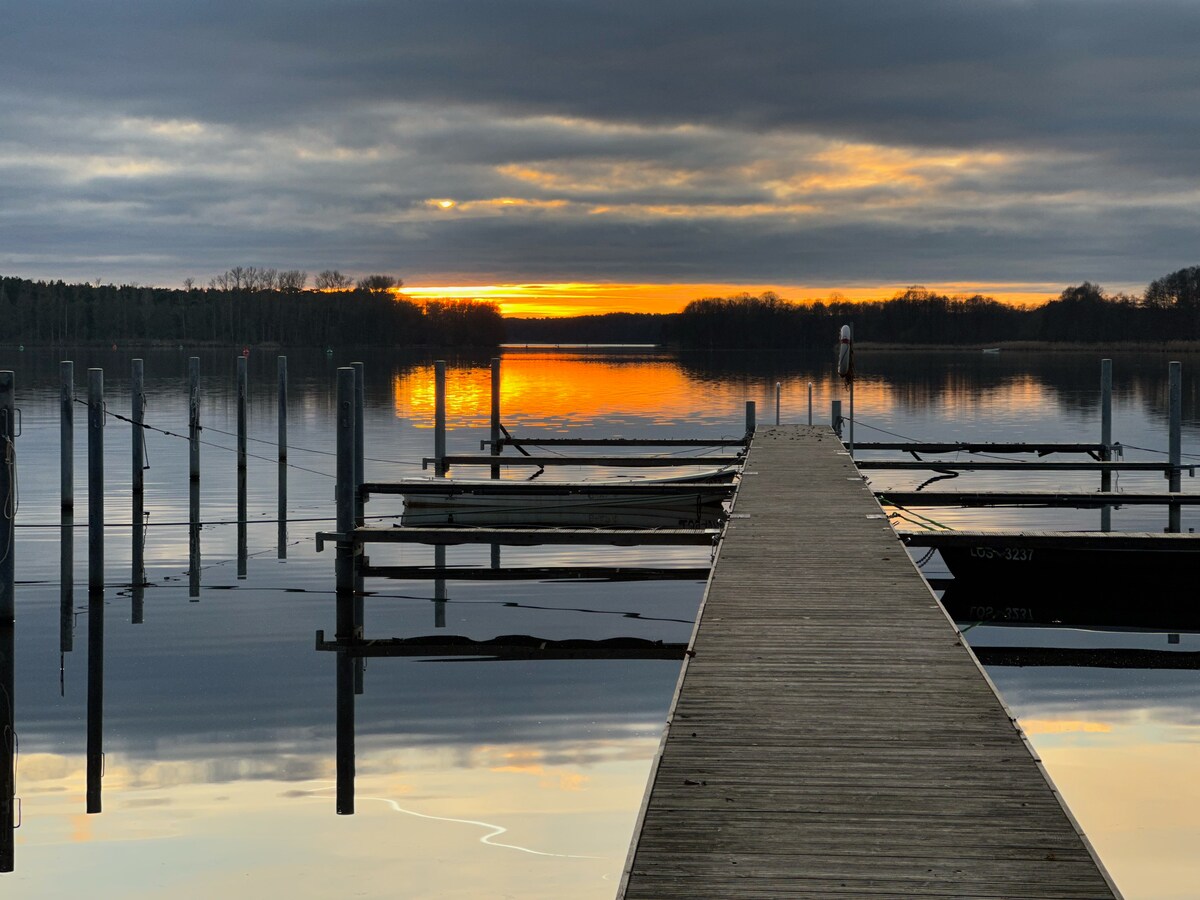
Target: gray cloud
{"points": [[765, 141]]}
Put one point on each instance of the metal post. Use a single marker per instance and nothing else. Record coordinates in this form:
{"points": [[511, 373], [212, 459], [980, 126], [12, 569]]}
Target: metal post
{"points": [[281, 516], [495, 430], [750, 419], [810, 403], [283, 400], [778, 395], [1106, 437], [66, 407], [360, 402], [95, 692], [194, 418], [8, 499], [345, 590], [439, 418], [8, 609], [242, 390], [835, 416], [137, 441], [1175, 441], [95, 480], [345, 487]]}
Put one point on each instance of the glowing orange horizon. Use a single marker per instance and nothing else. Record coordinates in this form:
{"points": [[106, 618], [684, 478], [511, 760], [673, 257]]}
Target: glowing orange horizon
{"points": [[556, 299]]}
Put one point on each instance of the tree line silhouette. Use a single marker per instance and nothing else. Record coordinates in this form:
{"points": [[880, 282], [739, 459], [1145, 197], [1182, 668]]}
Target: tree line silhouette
{"points": [[1168, 310], [247, 305], [244, 306]]}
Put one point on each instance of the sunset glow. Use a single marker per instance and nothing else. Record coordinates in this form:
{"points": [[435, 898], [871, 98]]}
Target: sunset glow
{"points": [[531, 300]]}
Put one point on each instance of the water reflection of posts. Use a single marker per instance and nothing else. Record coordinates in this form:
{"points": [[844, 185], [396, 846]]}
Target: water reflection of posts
{"points": [[360, 417], [241, 466], [8, 609], [495, 417], [810, 403], [439, 418], [1106, 454], [1175, 442], [281, 548], [495, 436], [66, 412], [66, 567], [137, 442], [778, 396], [8, 748], [194, 542], [95, 694], [439, 585], [66, 579], [346, 550]]}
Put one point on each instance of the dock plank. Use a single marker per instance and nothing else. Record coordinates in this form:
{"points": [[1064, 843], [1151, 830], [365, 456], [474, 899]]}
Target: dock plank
{"points": [[831, 735]]}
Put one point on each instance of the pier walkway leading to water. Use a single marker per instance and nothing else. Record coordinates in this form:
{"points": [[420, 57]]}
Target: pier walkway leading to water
{"points": [[832, 735]]}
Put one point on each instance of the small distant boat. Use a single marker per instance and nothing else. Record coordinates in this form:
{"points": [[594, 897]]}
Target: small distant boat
{"points": [[693, 500], [991, 349]]}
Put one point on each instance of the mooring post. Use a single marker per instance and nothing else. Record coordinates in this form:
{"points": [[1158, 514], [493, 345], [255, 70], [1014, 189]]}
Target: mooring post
{"points": [[66, 415], [8, 499], [242, 390], [281, 516], [66, 584], [439, 418], [1175, 442], [835, 415], [810, 403], [345, 589], [8, 610], [345, 489], [778, 394], [95, 480], [283, 401], [194, 418], [360, 403], [137, 442], [750, 420], [95, 693], [1106, 437], [495, 423]]}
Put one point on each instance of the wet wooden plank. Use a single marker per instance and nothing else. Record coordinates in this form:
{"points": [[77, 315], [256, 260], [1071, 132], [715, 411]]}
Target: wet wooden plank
{"points": [[832, 735]]}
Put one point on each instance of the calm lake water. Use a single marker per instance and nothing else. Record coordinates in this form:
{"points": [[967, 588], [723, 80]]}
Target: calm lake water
{"points": [[493, 779]]}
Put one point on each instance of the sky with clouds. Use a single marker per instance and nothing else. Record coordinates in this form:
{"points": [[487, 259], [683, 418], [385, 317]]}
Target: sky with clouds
{"points": [[1012, 145]]}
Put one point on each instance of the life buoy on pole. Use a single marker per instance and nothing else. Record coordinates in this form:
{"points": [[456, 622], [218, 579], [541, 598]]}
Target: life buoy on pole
{"points": [[846, 355]]}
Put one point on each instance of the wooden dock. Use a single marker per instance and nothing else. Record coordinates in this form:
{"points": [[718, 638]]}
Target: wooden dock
{"points": [[832, 735]]}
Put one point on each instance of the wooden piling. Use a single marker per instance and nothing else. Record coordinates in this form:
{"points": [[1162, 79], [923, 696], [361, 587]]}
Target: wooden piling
{"points": [[495, 418], [345, 590], [750, 419], [835, 415], [66, 407], [194, 418], [95, 701], [810, 403], [95, 480], [439, 586], [1106, 437], [66, 583], [439, 418], [194, 542], [778, 396], [137, 443], [281, 515], [360, 404], [242, 391], [1175, 441], [8, 496]]}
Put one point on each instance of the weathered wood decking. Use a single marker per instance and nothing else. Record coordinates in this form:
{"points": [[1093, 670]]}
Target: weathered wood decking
{"points": [[832, 736]]}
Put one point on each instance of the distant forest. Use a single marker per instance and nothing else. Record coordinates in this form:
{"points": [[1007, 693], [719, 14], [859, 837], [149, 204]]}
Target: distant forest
{"points": [[1168, 310], [244, 306], [253, 306]]}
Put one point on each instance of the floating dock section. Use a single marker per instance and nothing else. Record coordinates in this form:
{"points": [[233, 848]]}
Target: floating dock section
{"points": [[831, 734]]}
